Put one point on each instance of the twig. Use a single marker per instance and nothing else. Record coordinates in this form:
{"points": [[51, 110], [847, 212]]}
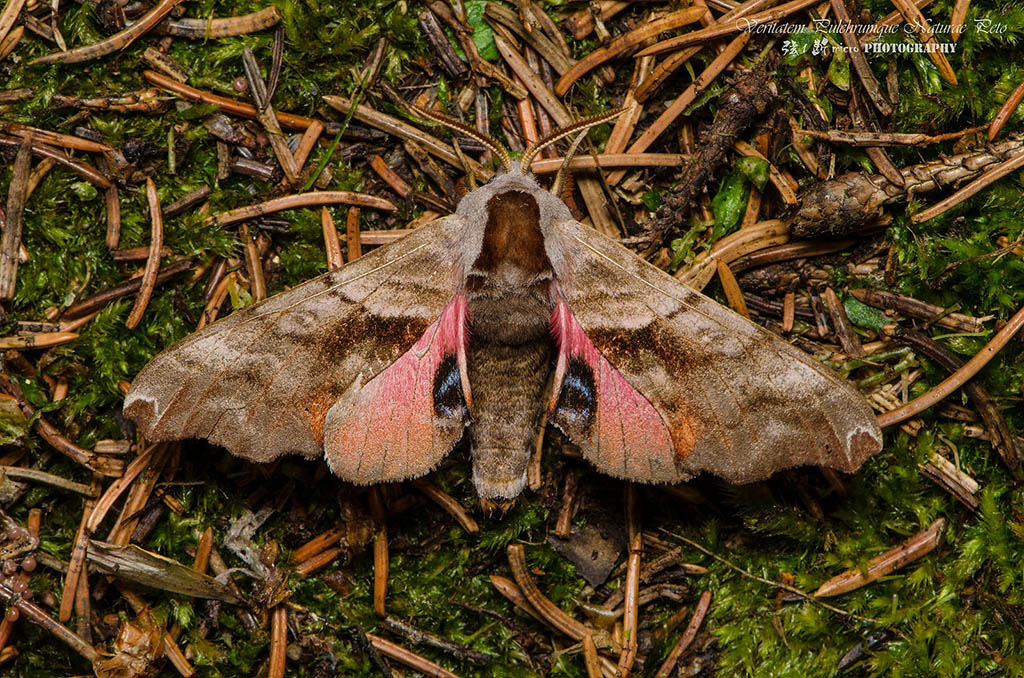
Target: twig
{"points": [[36, 615], [914, 308], [12, 9], [205, 29], [83, 169], [156, 244], [266, 116], [958, 378], [409, 658], [919, 24], [724, 28], [999, 433], [332, 247], [841, 322], [278, 642], [421, 637], [686, 639], [1008, 108], [289, 120], [38, 476], [860, 62], [101, 299], [989, 177], [380, 553], [299, 200], [917, 546], [55, 138], [785, 587], [625, 42], [10, 241], [114, 43], [448, 503], [631, 606]]}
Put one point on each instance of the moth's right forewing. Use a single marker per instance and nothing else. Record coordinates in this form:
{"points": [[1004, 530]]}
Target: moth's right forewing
{"points": [[261, 381], [732, 398]]}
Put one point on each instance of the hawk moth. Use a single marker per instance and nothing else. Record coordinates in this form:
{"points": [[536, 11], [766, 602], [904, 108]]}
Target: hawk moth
{"points": [[478, 324]]}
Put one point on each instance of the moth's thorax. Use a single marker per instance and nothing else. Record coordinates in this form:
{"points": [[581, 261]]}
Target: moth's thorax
{"points": [[508, 286]]}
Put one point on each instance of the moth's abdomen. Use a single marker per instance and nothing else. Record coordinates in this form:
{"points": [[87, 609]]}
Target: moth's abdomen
{"points": [[508, 386]]}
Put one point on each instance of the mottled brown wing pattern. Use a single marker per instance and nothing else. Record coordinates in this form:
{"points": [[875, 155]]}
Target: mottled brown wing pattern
{"points": [[261, 381], [736, 400]]}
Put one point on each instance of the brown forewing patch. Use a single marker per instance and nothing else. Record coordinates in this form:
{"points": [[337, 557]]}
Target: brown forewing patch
{"points": [[513, 234], [631, 352], [379, 339]]}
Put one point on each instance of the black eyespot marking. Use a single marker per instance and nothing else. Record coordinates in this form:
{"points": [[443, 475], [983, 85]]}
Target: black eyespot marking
{"points": [[578, 400], [449, 401]]}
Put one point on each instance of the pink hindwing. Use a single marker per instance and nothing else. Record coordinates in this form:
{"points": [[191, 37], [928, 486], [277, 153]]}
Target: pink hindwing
{"points": [[403, 421], [618, 429]]}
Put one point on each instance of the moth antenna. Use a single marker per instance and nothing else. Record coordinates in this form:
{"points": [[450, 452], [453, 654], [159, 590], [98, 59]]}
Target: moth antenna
{"points": [[566, 131], [563, 171], [463, 128]]}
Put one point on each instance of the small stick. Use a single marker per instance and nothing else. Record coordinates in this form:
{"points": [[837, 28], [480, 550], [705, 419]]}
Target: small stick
{"points": [[96, 302], [35, 475], [631, 607], [860, 62], [405, 131], [10, 240], [919, 545], [266, 116], [380, 553], [83, 169], [9, 43], [76, 564], [253, 263], [688, 96], [318, 543], [204, 29], [860, 138], [37, 340], [723, 28], [915, 308], [299, 200], [239, 108], [116, 488], [114, 43], [732, 247], [991, 176], [958, 378], [97, 463], [582, 23], [919, 24], [418, 636], [332, 247], [352, 235], [10, 14], [788, 312], [591, 660], [203, 549], [390, 177], [843, 328], [156, 244], [55, 138], [409, 658], [154, 58], [187, 202], [317, 561], [733, 294], [603, 160], [626, 42], [278, 641], [514, 594], [1005, 111], [548, 611], [1000, 435], [307, 142], [38, 616], [686, 639], [448, 503], [112, 202], [563, 526]]}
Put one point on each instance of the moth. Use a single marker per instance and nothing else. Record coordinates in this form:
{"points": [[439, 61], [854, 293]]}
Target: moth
{"points": [[484, 324]]}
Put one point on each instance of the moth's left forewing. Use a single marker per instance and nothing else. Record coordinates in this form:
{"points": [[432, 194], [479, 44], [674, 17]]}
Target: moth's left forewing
{"points": [[683, 384], [263, 381]]}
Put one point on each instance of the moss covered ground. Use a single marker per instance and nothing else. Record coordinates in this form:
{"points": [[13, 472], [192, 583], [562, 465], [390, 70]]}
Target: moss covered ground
{"points": [[957, 612]]}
